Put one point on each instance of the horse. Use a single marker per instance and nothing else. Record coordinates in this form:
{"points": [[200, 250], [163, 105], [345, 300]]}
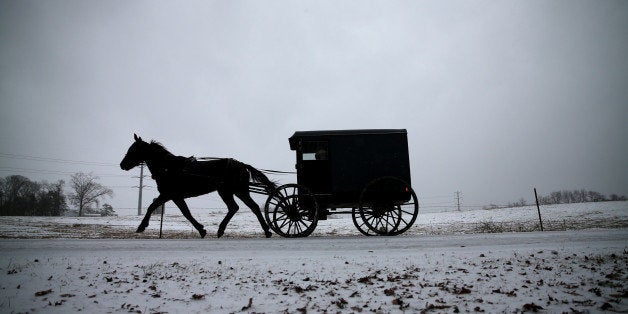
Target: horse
{"points": [[179, 177]]}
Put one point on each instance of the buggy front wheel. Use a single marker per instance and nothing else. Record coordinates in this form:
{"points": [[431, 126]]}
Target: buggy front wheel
{"points": [[360, 224], [291, 211]]}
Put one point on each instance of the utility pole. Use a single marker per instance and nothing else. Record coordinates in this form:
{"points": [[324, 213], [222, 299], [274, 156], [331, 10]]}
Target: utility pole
{"points": [[458, 199], [141, 186]]}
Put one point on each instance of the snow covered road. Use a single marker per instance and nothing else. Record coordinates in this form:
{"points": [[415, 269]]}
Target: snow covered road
{"points": [[511, 272]]}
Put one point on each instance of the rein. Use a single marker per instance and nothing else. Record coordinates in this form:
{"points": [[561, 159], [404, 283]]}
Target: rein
{"points": [[267, 171]]}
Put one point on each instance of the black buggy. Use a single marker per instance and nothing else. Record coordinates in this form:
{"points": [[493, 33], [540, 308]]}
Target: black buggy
{"points": [[367, 171]]}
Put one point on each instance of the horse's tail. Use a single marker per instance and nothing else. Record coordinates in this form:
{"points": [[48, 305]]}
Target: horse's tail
{"points": [[259, 177]]}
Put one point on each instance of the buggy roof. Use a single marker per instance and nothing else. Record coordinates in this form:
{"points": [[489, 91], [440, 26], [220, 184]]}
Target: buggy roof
{"points": [[294, 139]]}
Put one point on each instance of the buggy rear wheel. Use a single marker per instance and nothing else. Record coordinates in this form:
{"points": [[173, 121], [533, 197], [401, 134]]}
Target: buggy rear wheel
{"points": [[388, 206], [291, 211]]}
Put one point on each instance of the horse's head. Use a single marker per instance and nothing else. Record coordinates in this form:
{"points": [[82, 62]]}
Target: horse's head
{"points": [[135, 155]]}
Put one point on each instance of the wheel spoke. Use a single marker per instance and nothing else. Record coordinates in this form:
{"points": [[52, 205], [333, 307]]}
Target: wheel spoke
{"points": [[388, 222], [304, 213], [295, 228], [280, 194], [377, 223], [285, 221], [274, 204], [370, 219], [281, 216], [384, 222]]}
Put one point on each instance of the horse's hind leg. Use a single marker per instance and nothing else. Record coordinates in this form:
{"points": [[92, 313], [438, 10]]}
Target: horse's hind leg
{"points": [[186, 213], [246, 198], [232, 206], [160, 200]]}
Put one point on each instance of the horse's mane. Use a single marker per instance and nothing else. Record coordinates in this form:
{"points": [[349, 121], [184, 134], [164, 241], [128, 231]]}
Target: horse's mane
{"points": [[154, 144]]}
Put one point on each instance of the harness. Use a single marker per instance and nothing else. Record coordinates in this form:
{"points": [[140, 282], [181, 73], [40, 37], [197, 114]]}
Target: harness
{"points": [[179, 167]]}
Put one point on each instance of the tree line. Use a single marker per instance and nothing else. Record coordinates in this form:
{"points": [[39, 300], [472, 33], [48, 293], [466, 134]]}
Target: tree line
{"points": [[565, 197], [578, 196], [19, 196]]}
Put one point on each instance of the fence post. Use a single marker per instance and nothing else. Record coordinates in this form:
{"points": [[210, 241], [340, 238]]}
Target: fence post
{"points": [[161, 223], [538, 208]]}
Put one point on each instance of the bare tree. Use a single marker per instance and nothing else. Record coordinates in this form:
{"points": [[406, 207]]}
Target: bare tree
{"points": [[522, 202], [86, 191]]}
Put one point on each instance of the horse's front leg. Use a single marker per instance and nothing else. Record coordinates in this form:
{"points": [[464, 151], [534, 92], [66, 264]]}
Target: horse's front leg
{"points": [[160, 200], [186, 213]]}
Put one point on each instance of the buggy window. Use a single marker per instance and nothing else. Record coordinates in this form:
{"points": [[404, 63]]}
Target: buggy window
{"points": [[315, 151]]}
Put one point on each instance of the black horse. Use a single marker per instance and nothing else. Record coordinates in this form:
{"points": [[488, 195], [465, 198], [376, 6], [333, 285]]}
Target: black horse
{"points": [[179, 177]]}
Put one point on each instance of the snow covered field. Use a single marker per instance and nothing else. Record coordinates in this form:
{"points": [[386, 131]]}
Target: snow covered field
{"points": [[444, 264], [244, 223]]}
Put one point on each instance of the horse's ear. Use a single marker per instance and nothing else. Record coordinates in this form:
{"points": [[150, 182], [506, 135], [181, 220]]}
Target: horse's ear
{"points": [[137, 138]]}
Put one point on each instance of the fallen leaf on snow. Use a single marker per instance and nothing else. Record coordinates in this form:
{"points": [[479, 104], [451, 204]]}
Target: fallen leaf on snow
{"points": [[42, 293], [248, 306], [531, 307]]}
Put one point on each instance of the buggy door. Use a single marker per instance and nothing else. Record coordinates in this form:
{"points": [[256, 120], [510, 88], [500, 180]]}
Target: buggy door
{"points": [[314, 166]]}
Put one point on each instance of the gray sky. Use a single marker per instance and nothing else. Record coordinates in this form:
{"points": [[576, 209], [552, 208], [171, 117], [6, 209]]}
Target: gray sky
{"points": [[498, 97]]}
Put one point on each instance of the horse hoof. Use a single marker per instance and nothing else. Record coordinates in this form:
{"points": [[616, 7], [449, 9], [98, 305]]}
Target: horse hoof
{"points": [[140, 229], [203, 233], [220, 233], [268, 234]]}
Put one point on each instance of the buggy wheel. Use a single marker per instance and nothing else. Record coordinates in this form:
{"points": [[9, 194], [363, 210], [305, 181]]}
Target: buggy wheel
{"points": [[359, 223], [291, 211], [388, 206]]}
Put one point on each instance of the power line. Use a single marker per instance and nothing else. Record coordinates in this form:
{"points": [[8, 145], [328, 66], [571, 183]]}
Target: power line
{"points": [[57, 172], [56, 160], [437, 196], [439, 203]]}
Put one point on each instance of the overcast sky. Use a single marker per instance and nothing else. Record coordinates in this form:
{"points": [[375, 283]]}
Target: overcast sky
{"points": [[498, 97]]}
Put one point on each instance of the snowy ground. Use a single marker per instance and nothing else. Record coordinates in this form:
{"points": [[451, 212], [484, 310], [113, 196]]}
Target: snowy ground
{"points": [[573, 271], [444, 264]]}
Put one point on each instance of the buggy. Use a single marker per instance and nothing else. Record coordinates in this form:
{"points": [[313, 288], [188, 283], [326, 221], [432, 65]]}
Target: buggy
{"points": [[365, 173]]}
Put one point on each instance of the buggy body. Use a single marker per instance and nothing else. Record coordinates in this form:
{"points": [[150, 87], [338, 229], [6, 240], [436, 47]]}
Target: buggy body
{"points": [[366, 171], [337, 165]]}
